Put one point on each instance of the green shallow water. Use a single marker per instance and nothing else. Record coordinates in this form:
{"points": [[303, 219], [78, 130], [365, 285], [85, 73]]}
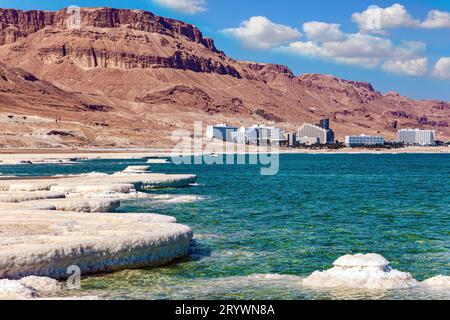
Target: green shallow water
{"points": [[256, 237]]}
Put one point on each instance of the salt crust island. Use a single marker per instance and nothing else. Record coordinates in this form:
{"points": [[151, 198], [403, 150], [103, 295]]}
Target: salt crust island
{"points": [[47, 225], [369, 272]]}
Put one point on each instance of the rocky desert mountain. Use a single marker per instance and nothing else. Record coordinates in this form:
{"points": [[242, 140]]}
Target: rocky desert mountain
{"points": [[128, 78]]}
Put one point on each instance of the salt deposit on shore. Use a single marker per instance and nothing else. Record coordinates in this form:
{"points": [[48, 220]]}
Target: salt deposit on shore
{"points": [[439, 282], [29, 196], [370, 272], [101, 183], [27, 288], [79, 230], [136, 169], [43, 243], [158, 161]]}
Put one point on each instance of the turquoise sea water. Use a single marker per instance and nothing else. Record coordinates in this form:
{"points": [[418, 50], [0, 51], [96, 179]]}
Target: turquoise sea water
{"points": [[257, 236]]}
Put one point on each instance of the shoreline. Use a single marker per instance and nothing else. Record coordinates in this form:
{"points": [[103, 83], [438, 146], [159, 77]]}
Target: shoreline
{"points": [[37, 156]]}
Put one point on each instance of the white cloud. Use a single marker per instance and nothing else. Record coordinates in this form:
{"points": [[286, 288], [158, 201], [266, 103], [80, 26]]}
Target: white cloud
{"points": [[326, 41], [376, 19], [409, 50], [323, 32], [186, 6], [309, 48], [414, 68], [360, 46], [442, 68], [261, 33], [437, 19], [363, 50]]}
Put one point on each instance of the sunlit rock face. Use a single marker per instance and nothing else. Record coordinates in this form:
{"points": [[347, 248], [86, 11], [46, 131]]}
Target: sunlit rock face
{"points": [[369, 271]]}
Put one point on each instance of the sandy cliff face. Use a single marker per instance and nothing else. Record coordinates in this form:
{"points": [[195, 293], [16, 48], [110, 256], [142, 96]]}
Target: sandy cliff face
{"points": [[147, 73], [108, 38]]}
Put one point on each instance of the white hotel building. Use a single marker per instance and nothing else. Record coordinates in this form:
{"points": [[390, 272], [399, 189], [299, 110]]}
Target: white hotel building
{"points": [[363, 140], [220, 131], [258, 135], [416, 137], [312, 134]]}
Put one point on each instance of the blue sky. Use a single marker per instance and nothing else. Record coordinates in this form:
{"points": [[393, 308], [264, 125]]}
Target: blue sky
{"points": [[407, 51]]}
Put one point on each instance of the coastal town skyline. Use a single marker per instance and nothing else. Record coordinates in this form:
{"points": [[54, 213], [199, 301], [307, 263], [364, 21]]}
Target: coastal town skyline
{"points": [[317, 134]]}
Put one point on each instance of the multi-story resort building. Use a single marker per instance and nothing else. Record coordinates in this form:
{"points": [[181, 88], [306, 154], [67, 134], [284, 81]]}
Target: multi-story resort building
{"points": [[414, 137], [221, 132], [321, 133], [245, 136], [363, 140], [291, 138], [258, 135], [309, 141]]}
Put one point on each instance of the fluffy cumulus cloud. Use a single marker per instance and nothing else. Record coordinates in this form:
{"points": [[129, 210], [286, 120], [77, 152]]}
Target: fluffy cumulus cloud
{"points": [[359, 49], [414, 67], [368, 48], [376, 19], [360, 46], [186, 6], [442, 68], [437, 19], [323, 32], [261, 33]]}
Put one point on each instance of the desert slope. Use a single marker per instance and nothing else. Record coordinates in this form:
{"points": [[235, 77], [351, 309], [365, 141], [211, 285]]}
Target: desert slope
{"points": [[129, 78]]}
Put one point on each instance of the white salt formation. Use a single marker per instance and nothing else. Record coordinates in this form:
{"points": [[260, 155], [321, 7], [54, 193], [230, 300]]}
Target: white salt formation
{"points": [[14, 290], [27, 288], [137, 169], [140, 181], [75, 204], [45, 243], [29, 196], [44, 229], [158, 161], [71, 189], [370, 271], [439, 282]]}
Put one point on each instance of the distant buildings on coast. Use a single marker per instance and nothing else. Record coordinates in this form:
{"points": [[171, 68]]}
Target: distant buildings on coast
{"points": [[364, 140], [314, 135], [321, 133], [416, 137], [221, 132], [254, 135]]}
